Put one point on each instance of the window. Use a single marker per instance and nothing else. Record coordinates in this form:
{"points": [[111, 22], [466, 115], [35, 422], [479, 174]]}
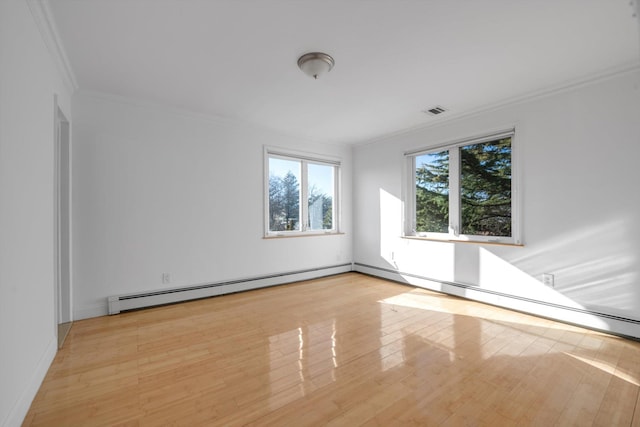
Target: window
{"points": [[301, 194], [464, 191]]}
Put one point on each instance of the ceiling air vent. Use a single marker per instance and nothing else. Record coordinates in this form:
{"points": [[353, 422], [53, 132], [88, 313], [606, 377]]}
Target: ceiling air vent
{"points": [[434, 111]]}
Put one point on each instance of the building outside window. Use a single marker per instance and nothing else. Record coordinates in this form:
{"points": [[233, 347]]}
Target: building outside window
{"points": [[301, 194]]}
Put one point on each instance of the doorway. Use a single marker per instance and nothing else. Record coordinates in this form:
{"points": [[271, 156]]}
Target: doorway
{"points": [[62, 182]]}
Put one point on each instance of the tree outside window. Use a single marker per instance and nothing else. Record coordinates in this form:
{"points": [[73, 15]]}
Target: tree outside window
{"points": [[300, 188], [464, 191]]}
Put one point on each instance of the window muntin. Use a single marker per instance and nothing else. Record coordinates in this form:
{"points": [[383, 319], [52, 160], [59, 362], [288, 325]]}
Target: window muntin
{"points": [[300, 186], [464, 191]]}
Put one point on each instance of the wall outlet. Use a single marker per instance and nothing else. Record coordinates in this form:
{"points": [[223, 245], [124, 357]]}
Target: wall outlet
{"points": [[166, 278], [548, 280]]}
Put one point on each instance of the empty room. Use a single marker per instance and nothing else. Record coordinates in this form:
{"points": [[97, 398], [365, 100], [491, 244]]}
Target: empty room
{"points": [[289, 213]]}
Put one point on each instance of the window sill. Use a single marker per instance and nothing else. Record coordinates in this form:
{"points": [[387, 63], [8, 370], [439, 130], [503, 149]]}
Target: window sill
{"points": [[288, 236], [474, 242]]}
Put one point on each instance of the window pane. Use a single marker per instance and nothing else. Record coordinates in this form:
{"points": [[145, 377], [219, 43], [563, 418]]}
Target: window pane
{"points": [[320, 190], [485, 188], [284, 195], [432, 192]]}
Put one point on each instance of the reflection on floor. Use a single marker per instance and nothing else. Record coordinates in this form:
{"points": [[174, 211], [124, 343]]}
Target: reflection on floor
{"points": [[344, 350], [63, 331]]}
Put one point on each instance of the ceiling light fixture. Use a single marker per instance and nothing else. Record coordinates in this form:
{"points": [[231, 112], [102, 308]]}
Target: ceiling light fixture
{"points": [[315, 64]]}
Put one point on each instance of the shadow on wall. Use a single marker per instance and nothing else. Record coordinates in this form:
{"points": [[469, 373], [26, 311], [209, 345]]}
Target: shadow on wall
{"points": [[594, 268], [594, 265]]}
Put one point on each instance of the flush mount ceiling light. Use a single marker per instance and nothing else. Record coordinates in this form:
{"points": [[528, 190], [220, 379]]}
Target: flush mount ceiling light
{"points": [[315, 64]]}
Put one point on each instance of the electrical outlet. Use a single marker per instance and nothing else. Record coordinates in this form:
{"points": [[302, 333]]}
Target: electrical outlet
{"points": [[548, 280], [166, 278]]}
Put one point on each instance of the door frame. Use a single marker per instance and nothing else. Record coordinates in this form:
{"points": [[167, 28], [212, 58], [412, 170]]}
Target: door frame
{"points": [[62, 218]]}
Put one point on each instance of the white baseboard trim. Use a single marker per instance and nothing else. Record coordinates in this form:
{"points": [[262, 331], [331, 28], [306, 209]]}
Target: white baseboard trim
{"points": [[604, 322], [119, 303], [22, 405]]}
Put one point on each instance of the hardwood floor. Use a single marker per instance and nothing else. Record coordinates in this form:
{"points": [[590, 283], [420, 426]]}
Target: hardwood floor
{"points": [[345, 350]]}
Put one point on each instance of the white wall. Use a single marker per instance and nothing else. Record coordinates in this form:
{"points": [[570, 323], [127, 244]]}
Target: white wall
{"points": [[157, 190], [28, 82], [581, 205]]}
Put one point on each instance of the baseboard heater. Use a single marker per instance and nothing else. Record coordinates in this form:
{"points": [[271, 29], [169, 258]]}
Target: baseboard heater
{"points": [[609, 323], [119, 303]]}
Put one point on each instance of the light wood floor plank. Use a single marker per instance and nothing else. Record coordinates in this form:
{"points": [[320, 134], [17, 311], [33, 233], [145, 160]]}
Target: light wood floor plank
{"points": [[345, 350]]}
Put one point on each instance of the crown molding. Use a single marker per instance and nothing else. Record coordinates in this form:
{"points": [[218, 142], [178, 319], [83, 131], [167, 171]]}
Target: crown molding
{"points": [[43, 17], [546, 92], [200, 116]]}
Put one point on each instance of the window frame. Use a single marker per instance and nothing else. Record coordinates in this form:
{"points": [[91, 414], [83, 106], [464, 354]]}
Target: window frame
{"points": [[305, 159], [455, 208]]}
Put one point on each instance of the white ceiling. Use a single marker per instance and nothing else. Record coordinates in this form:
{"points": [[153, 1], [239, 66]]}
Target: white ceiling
{"points": [[237, 59]]}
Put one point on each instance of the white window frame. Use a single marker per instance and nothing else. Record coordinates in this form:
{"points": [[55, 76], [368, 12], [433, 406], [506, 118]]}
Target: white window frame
{"points": [[305, 159], [455, 211]]}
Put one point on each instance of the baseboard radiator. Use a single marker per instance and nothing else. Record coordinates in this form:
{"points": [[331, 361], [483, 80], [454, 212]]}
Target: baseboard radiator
{"points": [[612, 324], [119, 303]]}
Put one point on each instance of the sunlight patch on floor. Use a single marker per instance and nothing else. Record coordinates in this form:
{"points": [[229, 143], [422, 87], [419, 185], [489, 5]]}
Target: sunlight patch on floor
{"points": [[611, 370]]}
